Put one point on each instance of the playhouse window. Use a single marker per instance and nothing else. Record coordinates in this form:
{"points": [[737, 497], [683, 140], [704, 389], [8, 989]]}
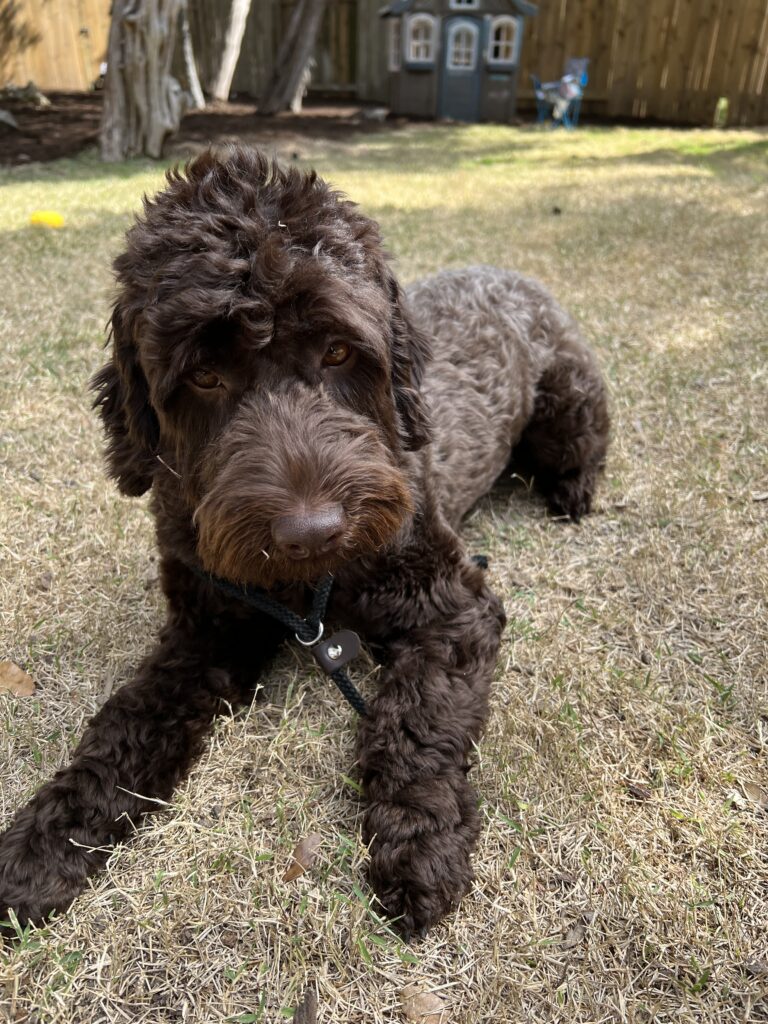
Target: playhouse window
{"points": [[464, 5], [462, 47], [503, 41], [395, 43], [421, 39]]}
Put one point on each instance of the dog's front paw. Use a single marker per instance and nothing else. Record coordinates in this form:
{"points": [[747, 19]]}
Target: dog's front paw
{"points": [[421, 880], [421, 842], [40, 871]]}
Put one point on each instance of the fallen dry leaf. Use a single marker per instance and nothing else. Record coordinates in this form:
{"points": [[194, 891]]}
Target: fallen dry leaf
{"points": [[304, 855], [761, 496], [306, 1011], [15, 680], [638, 792], [574, 936], [755, 794], [422, 1007], [737, 800]]}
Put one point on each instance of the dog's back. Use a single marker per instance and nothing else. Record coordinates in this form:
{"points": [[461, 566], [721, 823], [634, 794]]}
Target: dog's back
{"points": [[510, 371]]}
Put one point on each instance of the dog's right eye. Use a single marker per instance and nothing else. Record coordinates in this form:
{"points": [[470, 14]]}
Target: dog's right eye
{"points": [[205, 379], [337, 353]]}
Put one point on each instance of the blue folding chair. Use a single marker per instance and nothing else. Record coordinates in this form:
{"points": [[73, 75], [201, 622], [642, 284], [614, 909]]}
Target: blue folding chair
{"points": [[560, 101]]}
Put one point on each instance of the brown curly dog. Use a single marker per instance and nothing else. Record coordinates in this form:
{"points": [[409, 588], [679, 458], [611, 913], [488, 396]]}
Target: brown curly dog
{"points": [[295, 414]]}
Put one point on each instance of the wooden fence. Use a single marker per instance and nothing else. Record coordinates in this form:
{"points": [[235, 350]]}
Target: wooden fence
{"points": [[58, 44], [668, 60], [665, 59]]}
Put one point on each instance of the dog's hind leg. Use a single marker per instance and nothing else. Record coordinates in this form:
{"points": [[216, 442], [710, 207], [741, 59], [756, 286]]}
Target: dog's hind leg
{"points": [[564, 443]]}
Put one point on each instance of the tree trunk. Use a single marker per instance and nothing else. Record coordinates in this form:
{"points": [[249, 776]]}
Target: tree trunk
{"points": [[297, 100], [288, 41], [297, 48], [235, 29], [143, 102], [190, 65]]}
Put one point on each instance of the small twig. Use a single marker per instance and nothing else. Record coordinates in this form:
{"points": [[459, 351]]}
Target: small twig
{"points": [[90, 849], [140, 796], [162, 462]]}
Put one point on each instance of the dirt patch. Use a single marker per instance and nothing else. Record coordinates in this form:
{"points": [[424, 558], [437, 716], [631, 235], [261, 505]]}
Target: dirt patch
{"points": [[71, 123]]}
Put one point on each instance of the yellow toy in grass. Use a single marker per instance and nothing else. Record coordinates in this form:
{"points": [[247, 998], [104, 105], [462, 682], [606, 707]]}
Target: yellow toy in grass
{"points": [[47, 219]]}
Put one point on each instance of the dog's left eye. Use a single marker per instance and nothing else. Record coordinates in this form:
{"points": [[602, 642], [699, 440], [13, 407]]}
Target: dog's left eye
{"points": [[337, 353], [205, 379]]}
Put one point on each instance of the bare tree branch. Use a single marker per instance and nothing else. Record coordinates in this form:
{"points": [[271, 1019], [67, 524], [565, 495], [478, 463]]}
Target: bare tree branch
{"points": [[300, 41], [238, 15]]}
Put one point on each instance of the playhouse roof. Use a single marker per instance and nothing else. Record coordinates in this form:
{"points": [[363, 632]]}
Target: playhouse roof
{"points": [[397, 7]]}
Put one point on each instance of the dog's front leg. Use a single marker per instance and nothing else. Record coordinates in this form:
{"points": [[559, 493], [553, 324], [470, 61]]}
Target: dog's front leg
{"points": [[133, 753], [422, 820]]}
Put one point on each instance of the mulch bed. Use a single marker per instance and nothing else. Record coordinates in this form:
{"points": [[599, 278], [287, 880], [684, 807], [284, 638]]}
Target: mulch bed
{"points": [[71, 123]]}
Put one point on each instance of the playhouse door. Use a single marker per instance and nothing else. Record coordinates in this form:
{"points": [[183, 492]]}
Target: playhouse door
{"points": [[461, 69]]}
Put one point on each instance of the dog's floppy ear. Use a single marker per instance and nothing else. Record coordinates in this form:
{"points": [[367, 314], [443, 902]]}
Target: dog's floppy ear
{"points": [[130, 423], [410, 354]]}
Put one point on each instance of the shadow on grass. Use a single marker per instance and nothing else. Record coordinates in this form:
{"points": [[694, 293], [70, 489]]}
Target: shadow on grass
{"points": [[85, 167], [434, 148], [52, 261], [721, 158]]}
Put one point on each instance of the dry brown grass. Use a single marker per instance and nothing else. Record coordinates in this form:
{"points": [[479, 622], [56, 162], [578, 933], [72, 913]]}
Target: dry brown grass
{"points": [[622, 873]]}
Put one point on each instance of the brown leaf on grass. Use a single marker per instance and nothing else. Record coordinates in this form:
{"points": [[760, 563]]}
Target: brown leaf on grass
{"points": [[304, 856], [638, 792], [736, 799], [755, 794], [422, 1007], [573, 936], [306, 1011], [15, 680]]}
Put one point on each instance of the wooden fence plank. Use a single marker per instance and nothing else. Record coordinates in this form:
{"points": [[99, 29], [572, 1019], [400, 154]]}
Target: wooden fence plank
{"points": [[664, 59], [756, 78]]}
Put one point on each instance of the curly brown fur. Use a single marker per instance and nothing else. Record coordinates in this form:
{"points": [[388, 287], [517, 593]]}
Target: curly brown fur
{"points": [[511, 382], [241, 289]]}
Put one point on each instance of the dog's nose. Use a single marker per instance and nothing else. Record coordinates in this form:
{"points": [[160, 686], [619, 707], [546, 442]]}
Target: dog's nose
{"points": [[310, 533]]}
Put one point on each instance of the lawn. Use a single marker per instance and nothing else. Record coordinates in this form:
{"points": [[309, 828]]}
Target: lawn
{"points": [[622, 874]]}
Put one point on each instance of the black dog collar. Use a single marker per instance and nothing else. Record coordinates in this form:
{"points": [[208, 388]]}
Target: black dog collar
{"points": [[331, 654]]}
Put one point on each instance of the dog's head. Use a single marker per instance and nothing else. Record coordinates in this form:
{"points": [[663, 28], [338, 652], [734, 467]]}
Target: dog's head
{"points": [[263, 354]]}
